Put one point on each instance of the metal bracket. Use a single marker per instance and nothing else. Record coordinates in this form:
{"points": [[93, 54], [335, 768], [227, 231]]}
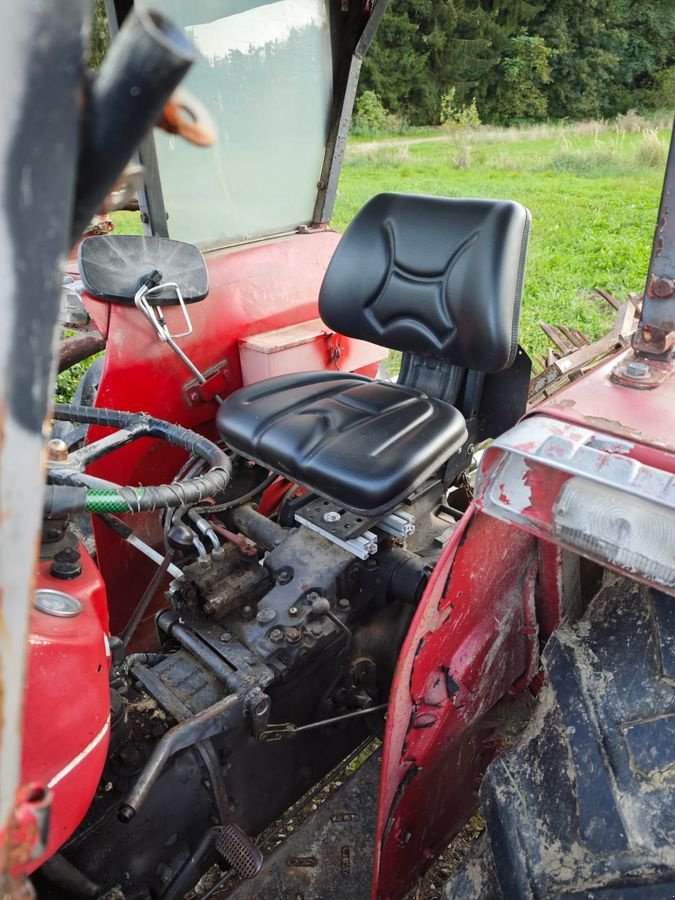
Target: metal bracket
{"points": [[642, 373], [216, 383], [363, 546], [398, 524]]}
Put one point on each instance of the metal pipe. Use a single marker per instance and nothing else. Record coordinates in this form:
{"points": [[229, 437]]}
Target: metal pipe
{"points": [[168, 622], [147, 598], [211, 721], [79, 347], [257, 527], [63, 874], [146, 62]]}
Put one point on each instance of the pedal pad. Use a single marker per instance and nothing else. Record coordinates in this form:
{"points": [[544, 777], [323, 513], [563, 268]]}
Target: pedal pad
{"points": [[238, 851]]}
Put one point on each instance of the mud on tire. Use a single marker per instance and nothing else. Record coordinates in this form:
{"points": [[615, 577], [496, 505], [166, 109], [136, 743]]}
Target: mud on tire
{"points": [[583, 806]]}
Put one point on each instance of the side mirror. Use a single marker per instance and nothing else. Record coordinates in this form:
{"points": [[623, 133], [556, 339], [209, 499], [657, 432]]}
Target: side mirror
{"points": [[114, 266]]}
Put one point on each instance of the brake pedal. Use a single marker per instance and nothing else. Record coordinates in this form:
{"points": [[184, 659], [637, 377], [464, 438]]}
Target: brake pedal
{"points": [[238, 851]]}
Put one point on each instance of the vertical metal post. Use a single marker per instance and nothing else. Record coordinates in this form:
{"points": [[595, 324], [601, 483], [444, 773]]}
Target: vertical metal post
{"points": [[344, 102], [655, 334], [41, 58]]}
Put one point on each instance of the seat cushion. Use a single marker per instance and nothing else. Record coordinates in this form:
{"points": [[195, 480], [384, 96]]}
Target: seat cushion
{"points": [[364, 444]]}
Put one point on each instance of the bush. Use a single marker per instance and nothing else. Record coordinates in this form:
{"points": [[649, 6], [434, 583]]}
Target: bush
{"points": [[650, 151], [370, 116], [458, 117], [630, 122], [661, 97]]}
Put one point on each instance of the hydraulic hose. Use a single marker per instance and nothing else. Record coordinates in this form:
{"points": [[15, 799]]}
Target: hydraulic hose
{"points": [[63, 500]]}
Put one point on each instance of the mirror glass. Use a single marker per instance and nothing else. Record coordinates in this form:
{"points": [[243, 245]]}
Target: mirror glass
{"points": [[113, 267]]}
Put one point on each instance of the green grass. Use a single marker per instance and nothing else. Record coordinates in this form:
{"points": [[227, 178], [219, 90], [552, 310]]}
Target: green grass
{"points": [[592, 197], [593, 192]]}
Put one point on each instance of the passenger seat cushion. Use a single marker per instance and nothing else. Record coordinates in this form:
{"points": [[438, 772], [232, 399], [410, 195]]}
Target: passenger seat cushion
{"points": [[364, 444]]}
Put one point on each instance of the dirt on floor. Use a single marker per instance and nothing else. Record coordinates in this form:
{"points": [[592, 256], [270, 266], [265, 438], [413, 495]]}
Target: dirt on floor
{"points": [[431, 886]]}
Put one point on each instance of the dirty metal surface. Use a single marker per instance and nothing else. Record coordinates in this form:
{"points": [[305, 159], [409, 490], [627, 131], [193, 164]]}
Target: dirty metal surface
{"points": [[471, 645], [596, 401], [331, 854]]}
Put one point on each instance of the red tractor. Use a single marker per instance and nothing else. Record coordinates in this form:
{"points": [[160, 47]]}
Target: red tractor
{"points": [[277, 597]]}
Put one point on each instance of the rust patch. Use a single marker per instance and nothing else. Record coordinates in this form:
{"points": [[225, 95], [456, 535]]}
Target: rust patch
{"points": [[660, 287]]}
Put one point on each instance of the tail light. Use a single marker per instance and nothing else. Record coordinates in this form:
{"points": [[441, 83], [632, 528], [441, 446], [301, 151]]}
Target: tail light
{"points": [[582, 489]]}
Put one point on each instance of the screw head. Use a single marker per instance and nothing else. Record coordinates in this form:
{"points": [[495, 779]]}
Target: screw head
{"points": [[343, 603], [316, 630], [226, 637], [276, 635], [293, 611], [266, 615], [57, 450], [332, 516], [285, 576], [293, 635], [637, 369]]}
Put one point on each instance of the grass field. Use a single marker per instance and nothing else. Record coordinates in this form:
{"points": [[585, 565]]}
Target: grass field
{"points": [[593, 199], [593, 192]]}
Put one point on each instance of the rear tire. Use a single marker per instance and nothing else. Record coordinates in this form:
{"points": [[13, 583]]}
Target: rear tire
{"points": [[583, 805]]}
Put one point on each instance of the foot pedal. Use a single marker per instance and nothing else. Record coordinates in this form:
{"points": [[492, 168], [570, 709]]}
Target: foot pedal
{"points": [[238, 851]]}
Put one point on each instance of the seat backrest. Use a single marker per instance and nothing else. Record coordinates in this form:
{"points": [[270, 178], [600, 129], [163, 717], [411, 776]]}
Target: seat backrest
{"points": [[432, 276]]}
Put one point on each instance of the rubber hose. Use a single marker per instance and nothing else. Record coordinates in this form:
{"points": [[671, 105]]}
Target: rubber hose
{"points": [[63, 500]]}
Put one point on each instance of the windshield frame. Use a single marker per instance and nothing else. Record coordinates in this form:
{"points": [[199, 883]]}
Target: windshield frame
{"points": [[352, 28]]}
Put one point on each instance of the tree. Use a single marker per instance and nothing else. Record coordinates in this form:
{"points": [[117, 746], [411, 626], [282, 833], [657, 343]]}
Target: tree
{"points": [[525, 71]]}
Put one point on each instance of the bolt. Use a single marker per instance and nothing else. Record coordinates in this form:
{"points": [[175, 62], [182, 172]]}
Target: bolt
{"points": [[266, 615], [193, 396], [293, 611], [247, 613], [316, 630], [661, 287], [343, 603], [276, 635], [57, 450], [470, 449], [312, 596], [285, 576], [226, 637], [66, 564], [636, 369], [332, 516], [293, 635]]}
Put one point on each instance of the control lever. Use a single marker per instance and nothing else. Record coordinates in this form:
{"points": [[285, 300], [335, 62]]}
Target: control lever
{"points": [[153, 285], [180, 537], [222, 843]]}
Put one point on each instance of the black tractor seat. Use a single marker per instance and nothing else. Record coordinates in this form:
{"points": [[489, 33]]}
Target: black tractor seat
{"points": [[363, 444], [438, 279]]}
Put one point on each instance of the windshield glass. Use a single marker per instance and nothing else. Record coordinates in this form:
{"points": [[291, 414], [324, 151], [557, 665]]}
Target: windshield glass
{"points": [[266, 77]]}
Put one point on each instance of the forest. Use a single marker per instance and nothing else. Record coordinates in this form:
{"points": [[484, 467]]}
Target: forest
{"points": [[517, 61]]}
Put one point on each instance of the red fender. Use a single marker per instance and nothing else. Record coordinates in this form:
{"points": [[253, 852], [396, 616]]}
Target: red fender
{"points": [[473, 642]]}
